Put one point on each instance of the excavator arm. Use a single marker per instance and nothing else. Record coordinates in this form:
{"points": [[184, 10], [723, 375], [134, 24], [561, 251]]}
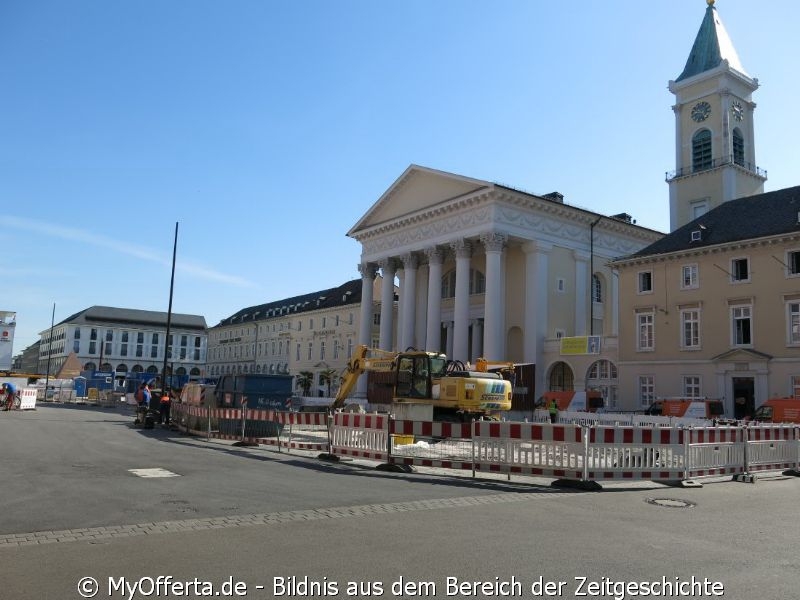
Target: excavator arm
{"points": [[360, 363]]}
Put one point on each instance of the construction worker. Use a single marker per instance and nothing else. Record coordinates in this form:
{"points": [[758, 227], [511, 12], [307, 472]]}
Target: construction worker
{"points": [[164, 407], [553, 410]]}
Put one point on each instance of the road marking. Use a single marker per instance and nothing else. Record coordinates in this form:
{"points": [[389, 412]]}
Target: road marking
{"points": [[91, 534], [157, 472]]}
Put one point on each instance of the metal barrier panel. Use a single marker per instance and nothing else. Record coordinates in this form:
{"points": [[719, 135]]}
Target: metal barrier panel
{"points": [[713, 451], [355, 434], [431, 444], [651, 453], [307, 431], [299, 431], [772, 448], [229, 423], [550, 450]]}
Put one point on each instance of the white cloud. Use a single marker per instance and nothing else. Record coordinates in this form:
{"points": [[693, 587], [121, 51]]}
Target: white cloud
{"points": [[140, 252]]}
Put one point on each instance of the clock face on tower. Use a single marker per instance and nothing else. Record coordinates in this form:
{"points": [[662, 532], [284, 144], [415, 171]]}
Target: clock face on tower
{"points": [[700, 111], [737, 110]]}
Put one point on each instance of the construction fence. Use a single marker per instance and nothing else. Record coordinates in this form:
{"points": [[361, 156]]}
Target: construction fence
{"points": [[570, 452]]}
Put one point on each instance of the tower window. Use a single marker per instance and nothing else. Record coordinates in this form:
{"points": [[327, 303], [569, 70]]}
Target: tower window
{"points": [[701, 150], [738, 147]]}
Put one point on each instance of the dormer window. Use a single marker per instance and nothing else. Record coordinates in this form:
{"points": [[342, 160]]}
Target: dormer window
{"points": [[697, 235]]}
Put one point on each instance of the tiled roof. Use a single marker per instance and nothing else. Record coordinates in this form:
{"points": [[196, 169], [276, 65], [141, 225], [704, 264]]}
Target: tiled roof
{"points": [[100, 315], [345, 294], [752, 217]]}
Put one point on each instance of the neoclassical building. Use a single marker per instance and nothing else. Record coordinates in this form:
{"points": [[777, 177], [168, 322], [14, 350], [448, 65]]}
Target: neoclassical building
{"points": [[487, 270]]}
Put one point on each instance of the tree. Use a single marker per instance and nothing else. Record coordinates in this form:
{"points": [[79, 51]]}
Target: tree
{"points": [[329, 378], [305, 379]]}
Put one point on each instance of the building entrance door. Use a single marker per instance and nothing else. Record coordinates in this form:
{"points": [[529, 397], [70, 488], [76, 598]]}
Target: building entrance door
{"points": [[743, 397]]}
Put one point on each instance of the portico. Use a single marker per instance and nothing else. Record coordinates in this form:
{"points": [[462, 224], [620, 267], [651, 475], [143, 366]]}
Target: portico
{"points": [[486, 270]]}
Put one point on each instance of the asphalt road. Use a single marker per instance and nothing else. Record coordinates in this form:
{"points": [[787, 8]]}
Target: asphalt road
{"points": [[255, 523]]}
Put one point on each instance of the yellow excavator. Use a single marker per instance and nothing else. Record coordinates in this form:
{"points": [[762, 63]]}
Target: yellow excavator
{"points": [[428, 386]]}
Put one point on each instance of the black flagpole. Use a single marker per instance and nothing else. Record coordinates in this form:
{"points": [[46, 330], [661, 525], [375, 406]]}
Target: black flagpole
{"points": [[167, 345]]}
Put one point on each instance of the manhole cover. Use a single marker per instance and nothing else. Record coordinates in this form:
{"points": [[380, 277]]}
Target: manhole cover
{"points": [[671, 502]]}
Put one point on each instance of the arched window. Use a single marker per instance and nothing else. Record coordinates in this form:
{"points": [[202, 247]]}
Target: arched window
{"points": [[738, 147], [152, 369], [137, 369], [597, 289], [477, 283], [561, 378], [180, 371], [90, 366], [122, 368], [194, 372], [701, 150]]}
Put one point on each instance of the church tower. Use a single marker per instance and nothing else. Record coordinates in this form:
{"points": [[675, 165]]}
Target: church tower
{"points": [[714, 134]]}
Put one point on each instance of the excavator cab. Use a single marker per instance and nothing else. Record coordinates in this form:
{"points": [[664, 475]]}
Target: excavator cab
{"points": [[415, 372]]}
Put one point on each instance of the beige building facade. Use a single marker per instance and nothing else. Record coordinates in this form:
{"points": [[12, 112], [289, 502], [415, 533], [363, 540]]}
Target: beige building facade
{"points": [[713, 310], [484, 270], [314, 333]]}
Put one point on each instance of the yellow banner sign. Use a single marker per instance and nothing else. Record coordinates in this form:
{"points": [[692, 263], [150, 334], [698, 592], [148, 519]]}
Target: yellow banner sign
{"points": [[582, 344]]}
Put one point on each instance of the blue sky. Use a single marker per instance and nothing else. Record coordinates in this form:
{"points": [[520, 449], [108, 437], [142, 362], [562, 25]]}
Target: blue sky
{"points": [[267, 129]]}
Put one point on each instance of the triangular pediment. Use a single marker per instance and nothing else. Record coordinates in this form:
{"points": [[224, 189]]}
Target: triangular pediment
{"points": [[742, 355], [417, 189]]}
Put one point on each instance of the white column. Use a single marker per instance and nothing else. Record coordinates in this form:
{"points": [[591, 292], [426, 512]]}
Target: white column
{"points": [[536, 294], [409, 292], [581, 296], [368, 272], [387, 304], [477, 341], [449, 349], [494, 346], [463, 251], [433, 337], [401, 280]]}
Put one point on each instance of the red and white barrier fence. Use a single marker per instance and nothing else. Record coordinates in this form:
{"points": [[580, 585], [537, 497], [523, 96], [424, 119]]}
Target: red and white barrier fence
{"points": [[568, 451]]}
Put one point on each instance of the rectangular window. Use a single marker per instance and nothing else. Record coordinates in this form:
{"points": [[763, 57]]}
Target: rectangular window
{"points": [[154, 352], [742, 328], [310, 350], [297, 354], [154, 339], [123, 350], [335, 349], [92, 347], [688, 277], [793, 262], [76, 346], [107, 349], [376, 318], [77, 334], [796, 386], [350, 347], [196, 354], [324, 321], [93, 334], [645, 339], [184, 340], [740, 270], [647, 390], [322, 350], [690, 328], [139, 350], [183, 354], [794, 322], [311, 323], [140, 337], [197, 341], [645, 282], [691, 386], [124, 337], [109, 335]]}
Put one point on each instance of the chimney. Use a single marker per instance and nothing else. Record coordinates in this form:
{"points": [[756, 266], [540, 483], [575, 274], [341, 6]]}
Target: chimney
{"points": [[555, 197]]}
